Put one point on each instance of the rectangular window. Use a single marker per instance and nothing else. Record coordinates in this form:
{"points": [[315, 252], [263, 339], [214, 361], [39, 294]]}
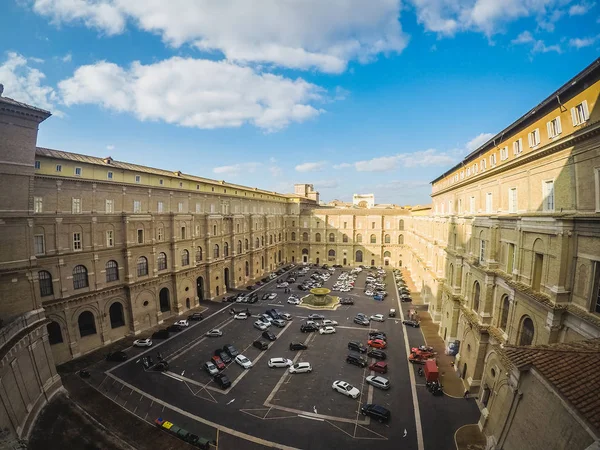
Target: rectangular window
{"points": [[198, 210], [138, 179], [212, 208], [77, 242], [58, 168], [76, 206], [518, 147], [538, 263], [137, 206], [37, 204], [38, 164], [345, 224], [468, 171], [510, 261], [109, 207], [534, 138], [180, 207], [596, 288], [483, 164], [160, 207], [110, 239], [197, 187], [504, 154], [161, 181], [488, 202], [482, 251], [512, 200], [160, 234], [38, 244], [472, 205], [140, 236], [493, 160], [372, 225], [548, 196], [460, 210], [109, 175], [554, 128], [580, 113], [77, 171], [182, 232]]}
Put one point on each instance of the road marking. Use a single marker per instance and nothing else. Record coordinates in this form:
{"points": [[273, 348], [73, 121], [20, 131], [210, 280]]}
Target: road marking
{"points": [[315, 409], [175, 377], [311, 418], [405, 433], [231, 401]]}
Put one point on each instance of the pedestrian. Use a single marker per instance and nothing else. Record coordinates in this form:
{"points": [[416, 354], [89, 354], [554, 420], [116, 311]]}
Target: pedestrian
{"points": [[466, 394]]}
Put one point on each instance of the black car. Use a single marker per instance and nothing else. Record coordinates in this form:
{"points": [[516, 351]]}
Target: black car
{"points": [[357, 360], [196, 316], [269, 335], [377, 354], [264, 280], [223, 355], [175, 328], [308, 327], [222, 380], [272, 313], [265, 296], [361, 321], [117, 356], [253, 299], [411, 323], [161, 334], [377, 412], [260, 345], [162, 366], [316, 317], [298, 346], [231, 350], [249, 287], [357, 346], [406, 298], [346, 301], [377, 335]]}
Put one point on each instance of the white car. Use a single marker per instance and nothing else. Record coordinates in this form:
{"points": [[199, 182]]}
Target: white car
{"points": [[243, 361], [272, 296], [326, 330], [279, 362], [378, 318], [266, 319], [293, 301], [285, 316], [369, 293], [378, 382], [345, 388], [260, 325], [329, 323], [301, 367], [241, 316], [182, 323], [283, 285], [142, 343], [215, 332]]}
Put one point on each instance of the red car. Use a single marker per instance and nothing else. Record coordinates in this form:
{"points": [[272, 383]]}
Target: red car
{"points": [[379, 367], [218, 362], [377, 343]]}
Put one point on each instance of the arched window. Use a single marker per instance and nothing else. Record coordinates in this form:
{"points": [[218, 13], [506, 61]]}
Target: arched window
{"points": [[161, 260], [198, 256], [87, 324], [247, 269], [293, 236], [262, 241], [331, 253], [216, 251], [185, 258], [239, 249], [344, 238], [279, 238], [373, 239], [305, 237], [45, 280], [54, 333], [359, 256], [387, 239], [527, 332], [359, 238], [386, 254], [270, 239], [401, 225], [112, 271], [257, 242], [476, 296], [116, 315], [318, 237], [451, 275], [331, 237], [504, 312], [142, 266], [80, 277], [226, 249], [401, 239], [305, 251], [246, 244]]}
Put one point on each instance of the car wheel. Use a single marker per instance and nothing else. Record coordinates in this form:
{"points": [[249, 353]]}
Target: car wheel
{"points": [[310, 371]]}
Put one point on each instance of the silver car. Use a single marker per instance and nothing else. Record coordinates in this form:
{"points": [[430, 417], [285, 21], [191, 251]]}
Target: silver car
{"points": [[210, 368], [378, 382]]}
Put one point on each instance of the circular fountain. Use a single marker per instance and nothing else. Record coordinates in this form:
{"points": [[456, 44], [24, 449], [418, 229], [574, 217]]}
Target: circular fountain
{"points": [[319, 298]]}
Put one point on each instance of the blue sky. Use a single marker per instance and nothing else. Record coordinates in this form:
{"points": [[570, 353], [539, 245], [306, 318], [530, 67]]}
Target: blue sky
{"points": [[353, 96]]}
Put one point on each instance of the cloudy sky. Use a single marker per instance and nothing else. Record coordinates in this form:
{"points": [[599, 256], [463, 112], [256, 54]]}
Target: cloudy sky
{"points": [[354, 96]]}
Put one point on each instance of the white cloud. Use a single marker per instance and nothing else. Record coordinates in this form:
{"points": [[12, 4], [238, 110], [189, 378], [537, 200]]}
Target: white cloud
{"points": [[538, 45], [380, 164], [326, 184], [478, 141], [580, 9], [25, 84], [311, 166], [424, 158], [524, 38], [582, 42], [67, 58], [110, 147], [298, 34], [226, 95], [236, 169]]}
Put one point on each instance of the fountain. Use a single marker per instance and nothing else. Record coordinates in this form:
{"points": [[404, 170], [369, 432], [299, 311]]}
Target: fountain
{"points": [[319, 298]]}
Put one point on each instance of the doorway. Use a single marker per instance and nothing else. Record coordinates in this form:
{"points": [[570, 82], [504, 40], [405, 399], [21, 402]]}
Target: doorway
{"points": [[538, 262], [317, 260], [305, 258], [164, 300], [226, 276], [464, 371], [200, 288], [372, 262], [345, 261]]}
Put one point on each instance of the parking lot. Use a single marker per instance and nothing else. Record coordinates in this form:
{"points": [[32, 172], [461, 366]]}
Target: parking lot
{"points": [[271, 403]]}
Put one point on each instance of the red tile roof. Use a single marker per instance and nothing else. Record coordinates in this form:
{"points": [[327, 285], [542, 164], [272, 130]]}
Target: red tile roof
{"points": [[572, 368]]}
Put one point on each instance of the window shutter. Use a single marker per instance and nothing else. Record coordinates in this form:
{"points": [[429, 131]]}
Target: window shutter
{"points": [[549, 128], [574, 117], [558, 126], [586, 112], [530, 135]]}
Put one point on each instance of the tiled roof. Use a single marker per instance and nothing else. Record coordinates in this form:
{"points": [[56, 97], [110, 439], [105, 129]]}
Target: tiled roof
{"points": [[12, 102], [572, 368]]}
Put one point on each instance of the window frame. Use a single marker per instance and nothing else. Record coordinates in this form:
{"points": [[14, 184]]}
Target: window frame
{"points": [[138, 179], [37, 164], [534, 138], [109, 175], [518, 147], [137, 206], [110, 238], [109, 206], [112, 271], [38, 205], [77, 171], [76, 205], [546, 197], [512, 200], [580, 115], [59, 168], [36, 243], [141, 266], [77, 242], [489, 202], [46, 284]]}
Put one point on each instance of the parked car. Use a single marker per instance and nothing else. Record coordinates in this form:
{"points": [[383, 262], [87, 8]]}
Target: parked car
{"points": [[285, 316], [378, 318], [329, 323], [293, 301], [279, 362], [175, 328], [346, 301], [272, 295], [161, 334], [357, 360], [301, 367], [116, 356], [161, 366], [279, 323], [222, 380], [307, 328], [215, 332], [298, 346], [265, 296], [378, 382], [182, 323], [196, 316], [260, 345], [411, 323], [266, 319], [377, 343], [259, 324], [345, 388], [316, 316], [231, 350], [377, 354], [376, 334], [142, 343], [241, 316], [357, 346], [377, 412], [223, 355], [361, 321], [379, 367], [210, 368], [217, 361], [243, 361], [327, 330], [269, 335]]}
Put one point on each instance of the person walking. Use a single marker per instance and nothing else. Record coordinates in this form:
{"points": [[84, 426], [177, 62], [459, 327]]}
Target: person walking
{"points": [[466, 395]]}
